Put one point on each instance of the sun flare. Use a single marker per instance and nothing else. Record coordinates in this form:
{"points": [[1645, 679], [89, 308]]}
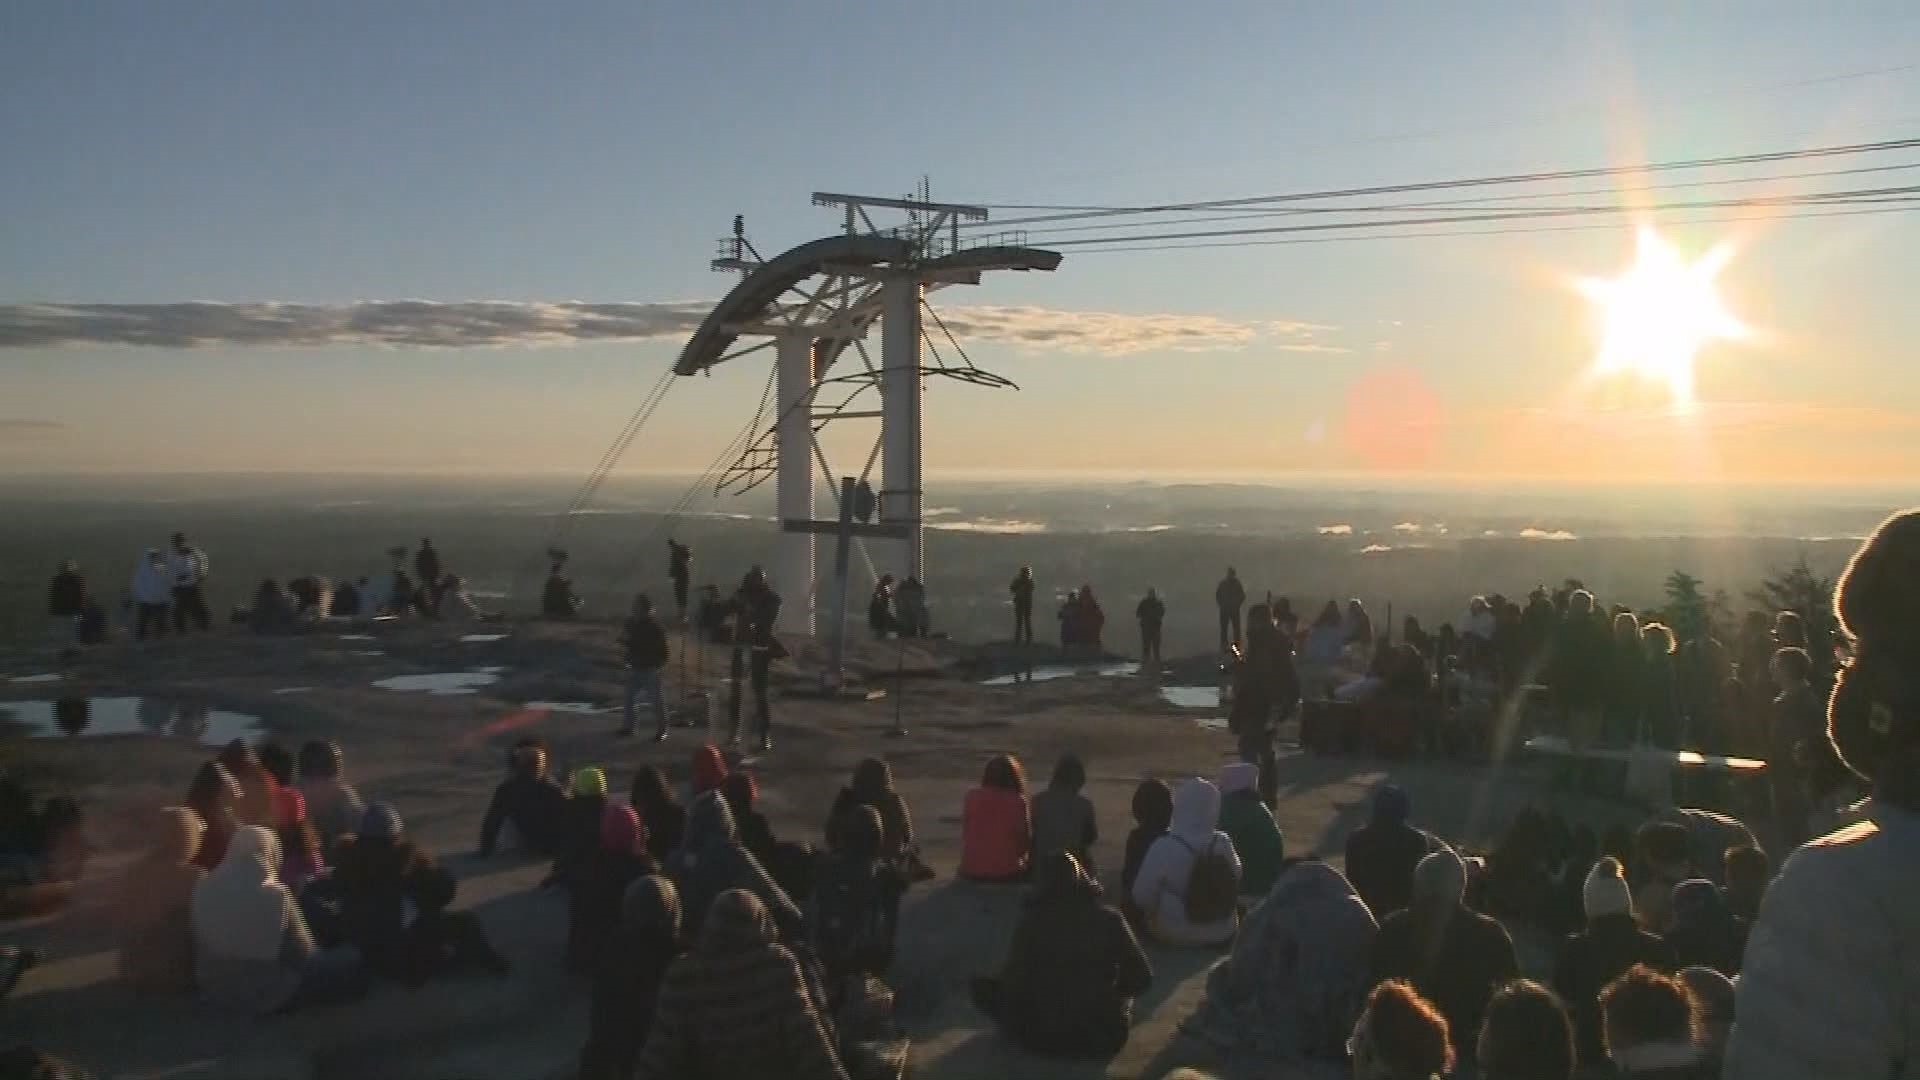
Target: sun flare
{"points": [[1659, 313]]}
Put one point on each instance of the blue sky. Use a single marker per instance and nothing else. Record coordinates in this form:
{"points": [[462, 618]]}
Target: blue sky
{"points": [[334, 153]]}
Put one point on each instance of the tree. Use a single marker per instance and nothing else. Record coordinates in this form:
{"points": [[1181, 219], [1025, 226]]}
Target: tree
{"points": [[1687, 608]]}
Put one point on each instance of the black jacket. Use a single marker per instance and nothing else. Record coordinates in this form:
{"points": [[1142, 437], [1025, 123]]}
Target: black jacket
{"points": [[66, 595], [1458, 968], [646, 644], [535, 805], [1591, 959], [1380, 861], [1071, 976]]}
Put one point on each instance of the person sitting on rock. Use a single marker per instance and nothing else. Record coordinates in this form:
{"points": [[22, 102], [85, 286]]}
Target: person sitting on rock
{"points": [[1062, 816], [393, 905], [855, 913], [872, 785], [1594, 957], [333, 805], [273, 611], [1298, 973], [1400, 1036], [580, 821], [711, 861], [1704, 932], [1250, 825], [626, 984], [214, 795], [252, 950], [996, 824], [153, 909], [1381, 855], [737, 1005], [1152, 814], [660, 812], [1525, 1035], [1454, 956], [529, 800], [595, 897], [1073, 970], [1189, 882], [1652, 1024]]}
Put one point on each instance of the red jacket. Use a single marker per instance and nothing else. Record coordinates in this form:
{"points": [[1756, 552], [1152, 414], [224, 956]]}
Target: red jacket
{"points": [[996, 834]]}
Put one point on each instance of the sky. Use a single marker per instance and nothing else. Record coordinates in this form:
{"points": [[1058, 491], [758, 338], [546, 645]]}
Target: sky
{"points": [[194, 198]]}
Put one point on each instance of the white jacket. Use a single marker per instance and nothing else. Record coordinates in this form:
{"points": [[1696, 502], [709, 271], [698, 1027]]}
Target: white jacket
{"points": [[1161, 886], [1831, 985], [188, 567]]}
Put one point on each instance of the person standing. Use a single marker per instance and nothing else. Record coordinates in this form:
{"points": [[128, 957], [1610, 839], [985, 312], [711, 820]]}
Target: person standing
{"points": [[66, 599], [189, 569], [426, 567], [1796, 731], [759, 608], [151, 592], [1229, 595], [680, 571], [1151, 613], [646, 645], [1022, 590]]}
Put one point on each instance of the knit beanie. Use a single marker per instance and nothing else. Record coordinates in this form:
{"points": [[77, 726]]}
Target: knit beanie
{"points": [[589, 783], [1439, 879], [1606, 891]]}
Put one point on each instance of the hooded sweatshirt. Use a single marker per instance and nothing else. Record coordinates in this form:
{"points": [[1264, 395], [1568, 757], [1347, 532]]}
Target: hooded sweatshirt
{"points": [[1382, 854], [873, 786], [737, 1006], [1249, 823], [154, 910], [1704, 932], [711, 861], [250, 941], [1159, 890], [626, 985]]}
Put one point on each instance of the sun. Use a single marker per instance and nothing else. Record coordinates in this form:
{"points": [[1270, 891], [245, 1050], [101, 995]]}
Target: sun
{"points": [[1656, 316]]}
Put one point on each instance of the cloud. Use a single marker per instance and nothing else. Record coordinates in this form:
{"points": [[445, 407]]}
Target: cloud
{"points": [[1335, 530], [18, 427], [425, 324], [1544, 534]]}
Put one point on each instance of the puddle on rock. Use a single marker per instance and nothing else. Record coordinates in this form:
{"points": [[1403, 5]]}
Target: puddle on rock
{"points": [[1050, 672], [1211, 723], [294, 690], [1191, 697], [45, 677], [583, 707], [70, 717], [368, 652], [356, 637], [443, 683], [481, 639]]}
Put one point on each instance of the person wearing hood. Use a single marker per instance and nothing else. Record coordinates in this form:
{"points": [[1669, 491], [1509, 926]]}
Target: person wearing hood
{"points": [[333, 805], [872, 785], [1062, 816], [1652, 1024], [1192, 852], [394, 905], [616, 862], [1250, 825], [1829, 985], [711, 861], [153, 911], [626, 983], [252, 951], [709, 770], [214, 796], [529, 800], [1297, 978], [855, 913], [737, 1005], [1382, 853], [1704, 932], [665, 819], [152, 594], [1152, 814], [1073, 970], [1455, 956], [1594, 957], [756, 834]]}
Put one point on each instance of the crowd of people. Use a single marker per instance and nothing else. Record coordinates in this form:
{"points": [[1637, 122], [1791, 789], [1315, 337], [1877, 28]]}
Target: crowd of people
{"points": [[716, 949]]}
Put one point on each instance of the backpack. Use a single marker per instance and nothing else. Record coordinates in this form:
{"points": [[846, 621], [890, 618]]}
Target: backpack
{"points": [[1212, 890]]}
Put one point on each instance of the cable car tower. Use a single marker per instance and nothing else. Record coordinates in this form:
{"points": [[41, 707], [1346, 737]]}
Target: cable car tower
{"points": [[814, 303]]}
